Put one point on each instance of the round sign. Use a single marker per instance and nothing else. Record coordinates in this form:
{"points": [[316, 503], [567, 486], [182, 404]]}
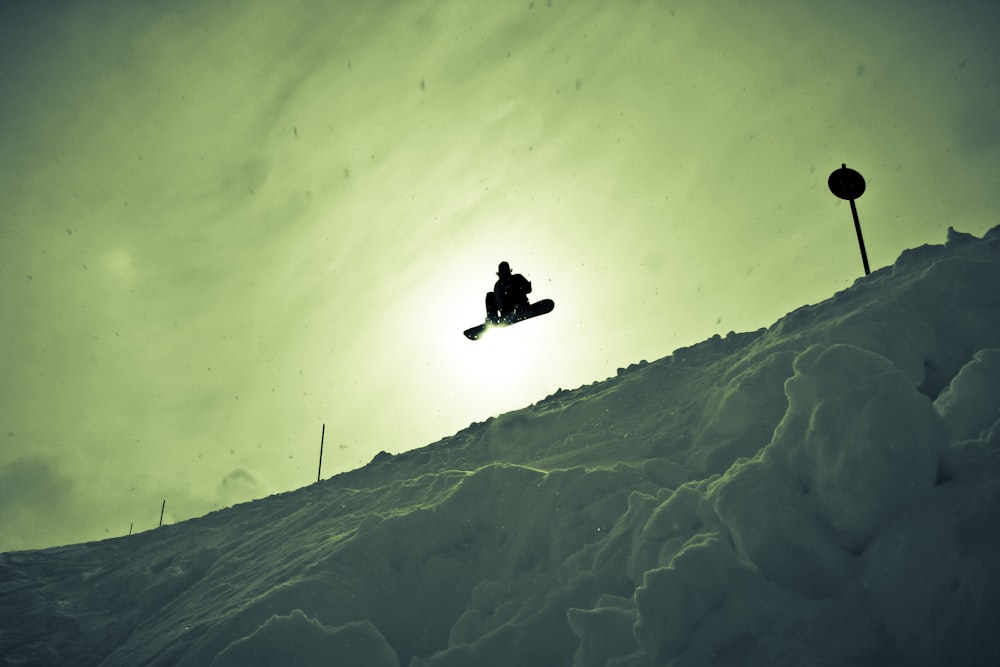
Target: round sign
{"points": [[846, 183]]}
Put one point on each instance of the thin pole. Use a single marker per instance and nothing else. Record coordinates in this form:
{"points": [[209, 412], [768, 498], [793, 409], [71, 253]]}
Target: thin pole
{"points": [[130, 527], [861, 240], [162, 507], [322, 435]]}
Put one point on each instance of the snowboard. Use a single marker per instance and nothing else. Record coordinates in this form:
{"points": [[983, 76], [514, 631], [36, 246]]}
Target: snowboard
{"points": [[532, 310]]}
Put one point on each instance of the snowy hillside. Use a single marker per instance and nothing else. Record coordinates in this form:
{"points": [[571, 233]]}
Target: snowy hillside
{"points": [[824, 492]]}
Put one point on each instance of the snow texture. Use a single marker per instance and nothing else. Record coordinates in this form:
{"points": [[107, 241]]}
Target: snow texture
{"points": [[823, 492]]}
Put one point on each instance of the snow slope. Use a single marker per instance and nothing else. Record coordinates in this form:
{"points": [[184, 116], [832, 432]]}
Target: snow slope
{"points": [[823, 492]]}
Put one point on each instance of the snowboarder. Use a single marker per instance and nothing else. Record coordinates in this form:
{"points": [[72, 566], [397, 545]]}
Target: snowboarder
{"points": [[509, 295], [508, 303]]}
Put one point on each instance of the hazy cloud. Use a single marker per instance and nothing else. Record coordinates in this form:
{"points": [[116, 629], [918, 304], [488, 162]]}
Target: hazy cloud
{"points": [[36, 497]]}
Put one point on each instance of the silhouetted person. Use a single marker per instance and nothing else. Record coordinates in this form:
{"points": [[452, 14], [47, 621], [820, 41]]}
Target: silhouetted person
{"points": [[509, 294]]}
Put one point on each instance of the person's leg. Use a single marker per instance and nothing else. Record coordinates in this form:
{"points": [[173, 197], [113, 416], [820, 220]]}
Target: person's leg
{"points": [[492, 313]]}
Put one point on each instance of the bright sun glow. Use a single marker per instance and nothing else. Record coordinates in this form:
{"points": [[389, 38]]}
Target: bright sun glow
{"points": [[507, 367], [505, 355]]}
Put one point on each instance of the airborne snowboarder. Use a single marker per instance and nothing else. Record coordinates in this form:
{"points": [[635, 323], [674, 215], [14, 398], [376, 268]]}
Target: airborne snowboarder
{"points": [[508, 302]]}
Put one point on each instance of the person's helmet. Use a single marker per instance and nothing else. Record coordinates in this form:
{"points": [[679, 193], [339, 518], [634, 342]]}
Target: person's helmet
{"points": [[503, 269]]}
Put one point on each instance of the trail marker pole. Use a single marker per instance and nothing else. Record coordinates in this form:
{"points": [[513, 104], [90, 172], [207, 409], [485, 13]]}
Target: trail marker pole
{"points": [[848, 184], [322, 435], [162, 507]]}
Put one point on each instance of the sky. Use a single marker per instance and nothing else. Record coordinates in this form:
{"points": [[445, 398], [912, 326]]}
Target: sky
{"points": [[223, 226]]}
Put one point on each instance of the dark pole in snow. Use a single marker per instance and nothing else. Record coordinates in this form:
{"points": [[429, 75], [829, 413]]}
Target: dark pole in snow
{"points": [[321, 436], [849, 184], [162, 507], [861, 240]]}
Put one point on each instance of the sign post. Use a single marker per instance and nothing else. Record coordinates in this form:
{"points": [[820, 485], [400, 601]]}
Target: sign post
{"points": [[849, 184]]}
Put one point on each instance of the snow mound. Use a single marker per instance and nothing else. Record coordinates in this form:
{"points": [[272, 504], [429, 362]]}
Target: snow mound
{"points": [[310, 642], [822, 492]]}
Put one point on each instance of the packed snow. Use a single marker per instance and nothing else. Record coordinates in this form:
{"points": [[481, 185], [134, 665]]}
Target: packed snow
{"points": [[822, 492]]}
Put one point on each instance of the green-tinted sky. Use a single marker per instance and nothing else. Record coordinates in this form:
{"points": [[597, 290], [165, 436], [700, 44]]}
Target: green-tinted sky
{"points": [[224, 224]]}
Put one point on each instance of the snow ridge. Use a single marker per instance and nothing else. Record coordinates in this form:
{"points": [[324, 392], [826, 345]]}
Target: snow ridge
{"points": [[825, 492]]}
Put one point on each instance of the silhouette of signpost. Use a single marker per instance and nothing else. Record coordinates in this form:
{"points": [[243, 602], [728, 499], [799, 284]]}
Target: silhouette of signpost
{"points": [[849, 184]]}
